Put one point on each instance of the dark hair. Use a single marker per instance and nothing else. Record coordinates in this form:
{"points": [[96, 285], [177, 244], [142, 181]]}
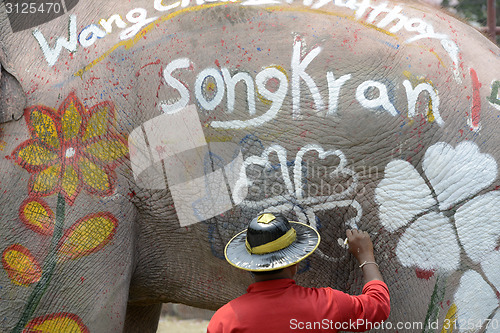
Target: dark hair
{"points": [[268, 272]]}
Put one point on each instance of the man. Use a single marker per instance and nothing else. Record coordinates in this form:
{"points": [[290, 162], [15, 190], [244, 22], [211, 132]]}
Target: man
{"points": [[271, 247]]}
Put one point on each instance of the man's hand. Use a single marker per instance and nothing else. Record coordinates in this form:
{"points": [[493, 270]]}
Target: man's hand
{"points": [[361, 247]]}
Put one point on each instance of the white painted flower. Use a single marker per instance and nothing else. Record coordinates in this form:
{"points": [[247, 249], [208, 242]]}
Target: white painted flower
{"points": [[477, 300], [425, 208]]}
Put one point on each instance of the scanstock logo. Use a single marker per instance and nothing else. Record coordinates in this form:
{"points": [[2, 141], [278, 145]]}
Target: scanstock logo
{"points": [[25, 14]]}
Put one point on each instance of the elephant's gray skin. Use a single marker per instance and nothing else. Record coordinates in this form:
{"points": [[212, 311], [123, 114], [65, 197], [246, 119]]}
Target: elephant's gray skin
{"points": [[377, 115]]}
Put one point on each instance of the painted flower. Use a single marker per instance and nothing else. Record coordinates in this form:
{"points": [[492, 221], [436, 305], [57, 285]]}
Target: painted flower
{"points": [[426, 213], [71, 148], [441, 213], [21, 266], [477, 300], [57, 322]]}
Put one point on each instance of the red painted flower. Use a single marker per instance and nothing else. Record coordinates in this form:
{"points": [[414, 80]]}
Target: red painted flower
{"points": [[71, 148]]}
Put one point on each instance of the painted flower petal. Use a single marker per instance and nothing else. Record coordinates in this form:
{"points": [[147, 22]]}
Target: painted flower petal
{"points": [[43, 125], [56, 323], [96, 179], [71, 119], [478, 225], [37, 216], [97, 125], [458, 173], [402, 194], [87, 235], [70, 183], [490, 268], [430, 244], [21, 266], [107, 151], [31, 155], [45, 182], [475, 299], [494, 325]]}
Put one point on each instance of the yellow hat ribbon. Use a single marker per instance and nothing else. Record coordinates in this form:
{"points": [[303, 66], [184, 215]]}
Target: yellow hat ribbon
{"points": [[275, 245]]}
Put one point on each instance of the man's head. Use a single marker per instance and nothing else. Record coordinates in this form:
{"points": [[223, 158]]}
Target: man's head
{"points": [[271, 243]]}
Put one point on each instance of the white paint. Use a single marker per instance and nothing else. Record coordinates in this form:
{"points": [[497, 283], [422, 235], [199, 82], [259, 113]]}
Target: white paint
{"points": [[224, 81], [429, 243], [453, 51], [334, 87], [262, 2], [199, 85], [382, 101], [70, 152], [231, 85], [322, 154], [108, 24], [176, 84], [137, 16], [491, 268], [299, 72], [400, 21], [70, 44], [495, 319], [393, 14], [185, 3], [475, 299], [416, 24], [413, 94], [162, 8], [276, 98], [402, 195], [478, 225], [90, 35], [458, 173], [305, 208]]}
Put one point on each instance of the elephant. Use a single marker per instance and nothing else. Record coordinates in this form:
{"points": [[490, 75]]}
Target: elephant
{"points": [[129, 159]]}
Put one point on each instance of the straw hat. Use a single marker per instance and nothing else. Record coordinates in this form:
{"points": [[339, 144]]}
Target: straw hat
{"points": [[271, 242]]}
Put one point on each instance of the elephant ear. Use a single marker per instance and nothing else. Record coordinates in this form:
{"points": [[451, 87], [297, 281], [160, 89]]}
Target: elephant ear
{"points": [[12, 96]]}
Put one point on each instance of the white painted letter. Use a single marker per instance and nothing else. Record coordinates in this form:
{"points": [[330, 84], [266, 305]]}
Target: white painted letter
{"points": [[219, 85], [108, 24], [381, 101], [413, 95], [231, 84], [90, 34], [138, 17], [298, 72], [382, 8], [70, 44], [176, 84], [276, 98], [334, 90], [161, 8], [391, 16]]}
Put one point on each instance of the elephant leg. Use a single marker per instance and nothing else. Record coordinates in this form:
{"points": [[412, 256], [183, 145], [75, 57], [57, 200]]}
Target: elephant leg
{"points": [[142, 318]]}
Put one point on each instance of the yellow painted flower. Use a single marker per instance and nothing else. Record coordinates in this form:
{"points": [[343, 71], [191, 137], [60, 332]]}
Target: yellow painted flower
{"points": [[87, 235], [71, 148], [61, 322], [21, 266]]}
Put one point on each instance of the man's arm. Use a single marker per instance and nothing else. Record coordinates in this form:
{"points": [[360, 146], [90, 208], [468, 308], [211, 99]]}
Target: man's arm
{"points": [[361, 247]]}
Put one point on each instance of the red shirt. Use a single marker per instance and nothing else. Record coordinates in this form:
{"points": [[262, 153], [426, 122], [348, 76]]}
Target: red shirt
{"points": [[282, 306]]}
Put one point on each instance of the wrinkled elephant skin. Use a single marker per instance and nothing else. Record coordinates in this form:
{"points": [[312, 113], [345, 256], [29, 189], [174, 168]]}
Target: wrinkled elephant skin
{"points": [[154, 131]]}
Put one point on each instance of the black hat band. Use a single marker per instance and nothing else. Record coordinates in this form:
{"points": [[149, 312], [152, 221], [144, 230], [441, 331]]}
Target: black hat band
{"points": [[278, 244]]}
